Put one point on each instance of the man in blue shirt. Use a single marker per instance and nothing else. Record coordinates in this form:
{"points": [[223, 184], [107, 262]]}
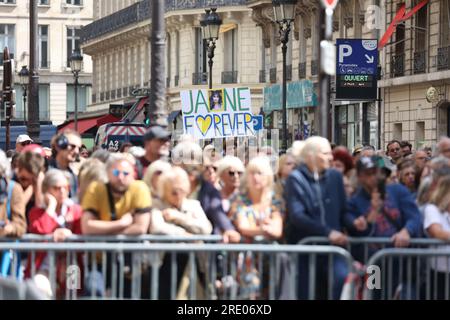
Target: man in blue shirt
{"points": [[316, 205], [382, 210]]}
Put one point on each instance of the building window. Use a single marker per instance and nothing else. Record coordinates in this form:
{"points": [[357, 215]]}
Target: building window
{"points": [[73, 41], [43, 47], [445, 23], [348, 128], [75, 2], [7, 39], [7, 1], [201, 53], [420, 134], [82, 98], [397, 132], [177, 56], [44, 2]]}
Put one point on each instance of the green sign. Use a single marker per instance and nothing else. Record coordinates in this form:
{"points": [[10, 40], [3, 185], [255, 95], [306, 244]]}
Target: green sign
{"points": [[300, 94]]}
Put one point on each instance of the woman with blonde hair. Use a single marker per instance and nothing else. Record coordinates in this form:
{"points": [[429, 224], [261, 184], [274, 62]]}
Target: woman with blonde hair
{"points": [[229, 170], [173, 213], [91, 170], [286, 164], [154, 172], [255, 211], [437, 226]]}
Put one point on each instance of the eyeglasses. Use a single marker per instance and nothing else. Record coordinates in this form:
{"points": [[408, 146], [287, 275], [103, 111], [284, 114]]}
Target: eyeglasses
{"points": [[116, 173], [25, 143], [73, 147], [394, 150], [234, 173]]}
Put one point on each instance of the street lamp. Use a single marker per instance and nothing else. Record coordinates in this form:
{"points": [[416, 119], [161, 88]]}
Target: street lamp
{"points": [[284, 15], [210, 28], [76, 64], [24, 75]]}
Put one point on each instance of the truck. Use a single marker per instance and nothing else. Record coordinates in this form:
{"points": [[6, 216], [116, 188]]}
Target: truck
{"points": [[130, 128]]}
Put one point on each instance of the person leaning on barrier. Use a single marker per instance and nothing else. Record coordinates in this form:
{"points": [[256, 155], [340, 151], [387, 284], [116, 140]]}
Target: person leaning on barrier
{"points": [[316, 204], [382, 210], [12, 203], [173, 213], [188, 155], [60, 217], [121, 206]]}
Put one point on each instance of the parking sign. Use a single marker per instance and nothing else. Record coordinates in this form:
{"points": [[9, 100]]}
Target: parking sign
{"points": [[356, 69]]}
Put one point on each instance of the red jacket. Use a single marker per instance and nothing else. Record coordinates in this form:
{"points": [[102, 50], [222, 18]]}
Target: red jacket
{"points": [[42, 223]]}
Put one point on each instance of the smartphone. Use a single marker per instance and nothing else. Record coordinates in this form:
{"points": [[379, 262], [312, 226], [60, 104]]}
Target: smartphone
{"points": [[382, 188]]}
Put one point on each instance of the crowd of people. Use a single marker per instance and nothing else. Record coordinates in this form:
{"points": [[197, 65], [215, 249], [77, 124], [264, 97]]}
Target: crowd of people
{"points": [[315, 189]]}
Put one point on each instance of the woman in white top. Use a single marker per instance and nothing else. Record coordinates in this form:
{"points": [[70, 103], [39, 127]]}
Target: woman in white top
{"points": [[173, 213], [437, 226]]}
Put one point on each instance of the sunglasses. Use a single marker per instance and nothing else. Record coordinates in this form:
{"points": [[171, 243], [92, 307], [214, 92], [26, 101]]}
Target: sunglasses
{"points": [[25, 143], [73, 147], [211, 167], [116, 173], [234, 173]]}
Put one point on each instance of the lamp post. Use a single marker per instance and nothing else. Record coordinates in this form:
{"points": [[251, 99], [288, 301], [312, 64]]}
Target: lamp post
{"points": [[284, 14], [24, 75], [76, 64], [210, 29]]}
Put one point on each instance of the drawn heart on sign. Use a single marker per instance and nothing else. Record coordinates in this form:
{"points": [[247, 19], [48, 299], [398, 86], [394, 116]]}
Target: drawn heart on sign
{"points": [[204, 123]]}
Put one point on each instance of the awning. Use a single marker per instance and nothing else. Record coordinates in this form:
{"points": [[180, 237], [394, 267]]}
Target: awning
{"points": [[173, 115], [87, 124]]}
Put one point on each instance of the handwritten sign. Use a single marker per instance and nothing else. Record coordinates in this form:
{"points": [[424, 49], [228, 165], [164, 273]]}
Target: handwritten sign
{"points": [[217, 113]]}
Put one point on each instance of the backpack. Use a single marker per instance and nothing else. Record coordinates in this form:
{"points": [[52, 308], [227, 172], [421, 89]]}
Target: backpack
{"points": [[8, 256]]}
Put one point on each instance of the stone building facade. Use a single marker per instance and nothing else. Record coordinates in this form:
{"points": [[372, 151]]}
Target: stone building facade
{"points": [[60, 22]]}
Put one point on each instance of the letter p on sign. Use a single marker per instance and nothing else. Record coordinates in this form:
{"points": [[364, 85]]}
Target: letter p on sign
{"points": [[329, 4], [345, 50]]}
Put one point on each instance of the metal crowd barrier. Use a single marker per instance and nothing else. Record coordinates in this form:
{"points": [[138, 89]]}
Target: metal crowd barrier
{"points": [[410, 274], [11, 289], [120, 238], [179, 270], [367, 246]]}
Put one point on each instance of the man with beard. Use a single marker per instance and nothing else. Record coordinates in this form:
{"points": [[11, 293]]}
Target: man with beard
{"points": [[121, 206], [66, 149]]}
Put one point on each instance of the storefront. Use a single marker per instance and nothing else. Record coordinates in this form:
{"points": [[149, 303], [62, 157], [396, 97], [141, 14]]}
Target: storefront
{"points": [[301, 104]]}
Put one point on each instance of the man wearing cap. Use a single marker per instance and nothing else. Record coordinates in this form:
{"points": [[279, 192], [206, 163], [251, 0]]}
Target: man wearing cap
{"points": [[381, 210], [22, 141], [378, 209], [156, 145]]}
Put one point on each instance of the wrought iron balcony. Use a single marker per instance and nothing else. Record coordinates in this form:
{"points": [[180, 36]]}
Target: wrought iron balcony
{"points": [[177, 80], [229, 77], [102, 96], [119, 93], [443, 61], [142, 10], [125, 92], [398, 65], [200, 78], [273, 75], [107, 95], [113, 94], [302, 70], [420, 62], [289, 73], [314, 67], [262, 76]]}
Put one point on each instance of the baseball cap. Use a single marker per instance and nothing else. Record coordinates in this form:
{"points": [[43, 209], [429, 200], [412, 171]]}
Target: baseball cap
{"points": [[366, 163], [23, 138], [157, 132]]}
